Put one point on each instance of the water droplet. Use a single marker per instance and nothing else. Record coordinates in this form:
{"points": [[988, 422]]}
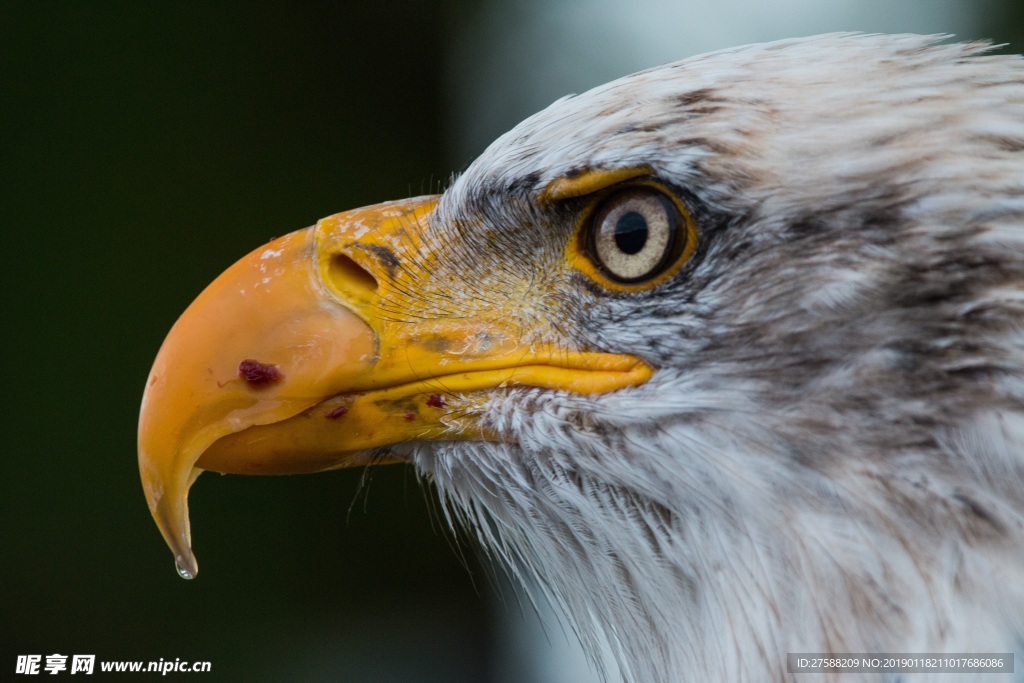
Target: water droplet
{"points": [[186, 569]]}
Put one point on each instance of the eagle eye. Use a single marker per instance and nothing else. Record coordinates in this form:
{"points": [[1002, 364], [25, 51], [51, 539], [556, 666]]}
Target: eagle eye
{"points": [[636, 234]]}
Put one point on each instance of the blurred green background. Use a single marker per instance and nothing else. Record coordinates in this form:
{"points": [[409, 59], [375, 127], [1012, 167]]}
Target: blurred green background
{"points": [[146, 146]]}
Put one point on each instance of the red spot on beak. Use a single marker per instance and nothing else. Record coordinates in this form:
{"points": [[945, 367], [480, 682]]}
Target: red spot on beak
{"points": [[436, 401], [257, 374], [336, 413], [409, 417]]}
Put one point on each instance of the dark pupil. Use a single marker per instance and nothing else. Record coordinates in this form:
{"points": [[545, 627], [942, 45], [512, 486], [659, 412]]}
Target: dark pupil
{"points": [[631, 232]]}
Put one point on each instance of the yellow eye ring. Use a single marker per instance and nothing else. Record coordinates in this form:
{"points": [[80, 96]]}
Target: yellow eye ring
{"points": [[633, 238]]}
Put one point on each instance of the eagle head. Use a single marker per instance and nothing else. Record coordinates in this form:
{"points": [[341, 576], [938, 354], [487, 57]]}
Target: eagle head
{"points": [[725, 356]]}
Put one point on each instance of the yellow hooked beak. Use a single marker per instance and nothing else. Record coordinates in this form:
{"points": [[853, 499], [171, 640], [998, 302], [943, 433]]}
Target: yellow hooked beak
{"points": [[321, 346]]}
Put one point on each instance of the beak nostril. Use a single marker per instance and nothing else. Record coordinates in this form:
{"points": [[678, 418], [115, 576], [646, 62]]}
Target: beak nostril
{"points": [[349, 275]]}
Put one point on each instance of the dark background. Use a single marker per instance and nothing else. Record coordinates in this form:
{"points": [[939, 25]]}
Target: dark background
{"points": [[145, 147]]}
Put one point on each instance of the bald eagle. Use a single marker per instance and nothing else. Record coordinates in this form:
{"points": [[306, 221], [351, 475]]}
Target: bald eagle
{"points": [[725, 356]]}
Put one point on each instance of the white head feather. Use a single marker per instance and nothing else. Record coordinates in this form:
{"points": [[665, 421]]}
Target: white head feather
{"points": [[830, 456]]}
